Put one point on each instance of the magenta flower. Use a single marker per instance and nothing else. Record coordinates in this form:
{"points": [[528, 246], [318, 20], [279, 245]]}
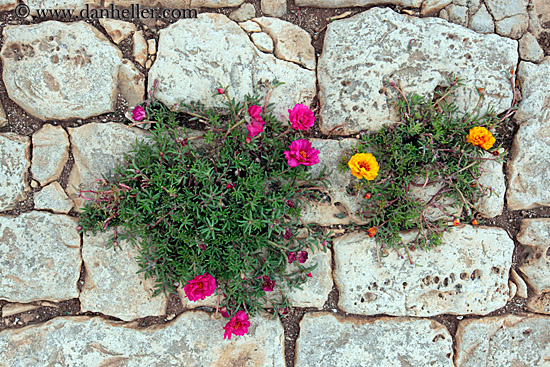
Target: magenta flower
{"points": [[221, 91], [268, 284], [288, 234], [238, 325], [301, 117], [302, 257], [290, 203], [257, 123], [223, 311], [200, 287], [138, 113], [301, 152], [291, 257]]}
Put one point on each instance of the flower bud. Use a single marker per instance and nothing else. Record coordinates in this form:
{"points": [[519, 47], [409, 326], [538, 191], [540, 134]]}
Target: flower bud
{"points": [[79, 228], [221, 91], [247, 140], [456, 222], [367, 195], [474, 222]]}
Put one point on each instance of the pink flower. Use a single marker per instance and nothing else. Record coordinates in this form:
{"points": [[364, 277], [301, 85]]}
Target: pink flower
{"points": [[138, 113], [301, 117], [309, 275], [230, 186], [301, 152], [302, 257], [290, 203], [238, 325], [288, 234], [291, 257], [200, 287], [268, 284], [257, 123]]}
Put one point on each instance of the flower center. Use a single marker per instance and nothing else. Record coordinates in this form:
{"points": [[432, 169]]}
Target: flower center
{"points": [[303, 154], [364, 165], [200, 285], [237, 325]]}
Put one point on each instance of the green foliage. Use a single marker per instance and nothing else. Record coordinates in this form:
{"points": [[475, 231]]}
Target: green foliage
{"points": [[211, 204], [427, 147]]}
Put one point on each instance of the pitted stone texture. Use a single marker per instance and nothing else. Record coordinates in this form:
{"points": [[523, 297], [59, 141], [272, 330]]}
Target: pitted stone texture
{"points": [[343, 208], [98, 148], [245, 12], [59, 4], [432, 212], [529, 48], [131, 83], [274, 8], [534, 80], [458, 14], [262, 41], [117, 29], [334, 341], [430, 7], [482, 21], [40, 255], [539, 303], [54, 198], [510, 16], [3, 117], [250, 26], [50, 152], [529, 167], [539, 17], [7, 5], [314, 292], [535, 233], [112, 285], [213, 3], [492, 180], [193, 339], [504, 341], [350, 3], [467, 274], [352, 80], [57, 70], [140, 48], [193, 57], [292, 43], [14, 163]]}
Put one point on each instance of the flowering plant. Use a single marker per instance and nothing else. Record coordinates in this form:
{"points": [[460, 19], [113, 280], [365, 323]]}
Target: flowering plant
{"points": [[217, 211], [431, 145]]}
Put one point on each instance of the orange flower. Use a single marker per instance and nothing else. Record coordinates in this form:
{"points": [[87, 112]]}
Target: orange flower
{"points": [[480, 136], [364, 165], [372, 232], [456, 222]]}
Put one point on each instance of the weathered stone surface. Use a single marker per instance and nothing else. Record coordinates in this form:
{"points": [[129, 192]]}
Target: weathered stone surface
{"points": [[40, 255], [140, 48], [14, 163], [342, 208], [520, 283], [513, 289], [539, 17], [262, 41], [482, 21], [59, 4], [50, 152], [492, 181], [292, 43], [54, 198], [98, 148], [193, 57], [467, 274], [529, 48], [314, 292], [3, 117], [112, 285], [11, 309], [352, 81], [534, 80], [430, 7], [245, 12], [274, 8], [193, 339], [57, 70], [539, 303], [215, 3], [131, 83], [349, 3], [117, 29], [432, 212], [334, 341], [151, 46], [510, 17], [250, 26], [503, 341], [458, 14], [535, 233]]}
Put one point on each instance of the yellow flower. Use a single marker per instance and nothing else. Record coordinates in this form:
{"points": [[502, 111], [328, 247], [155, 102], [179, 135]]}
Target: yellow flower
{"points": [[480, 136], [364, 165]]}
